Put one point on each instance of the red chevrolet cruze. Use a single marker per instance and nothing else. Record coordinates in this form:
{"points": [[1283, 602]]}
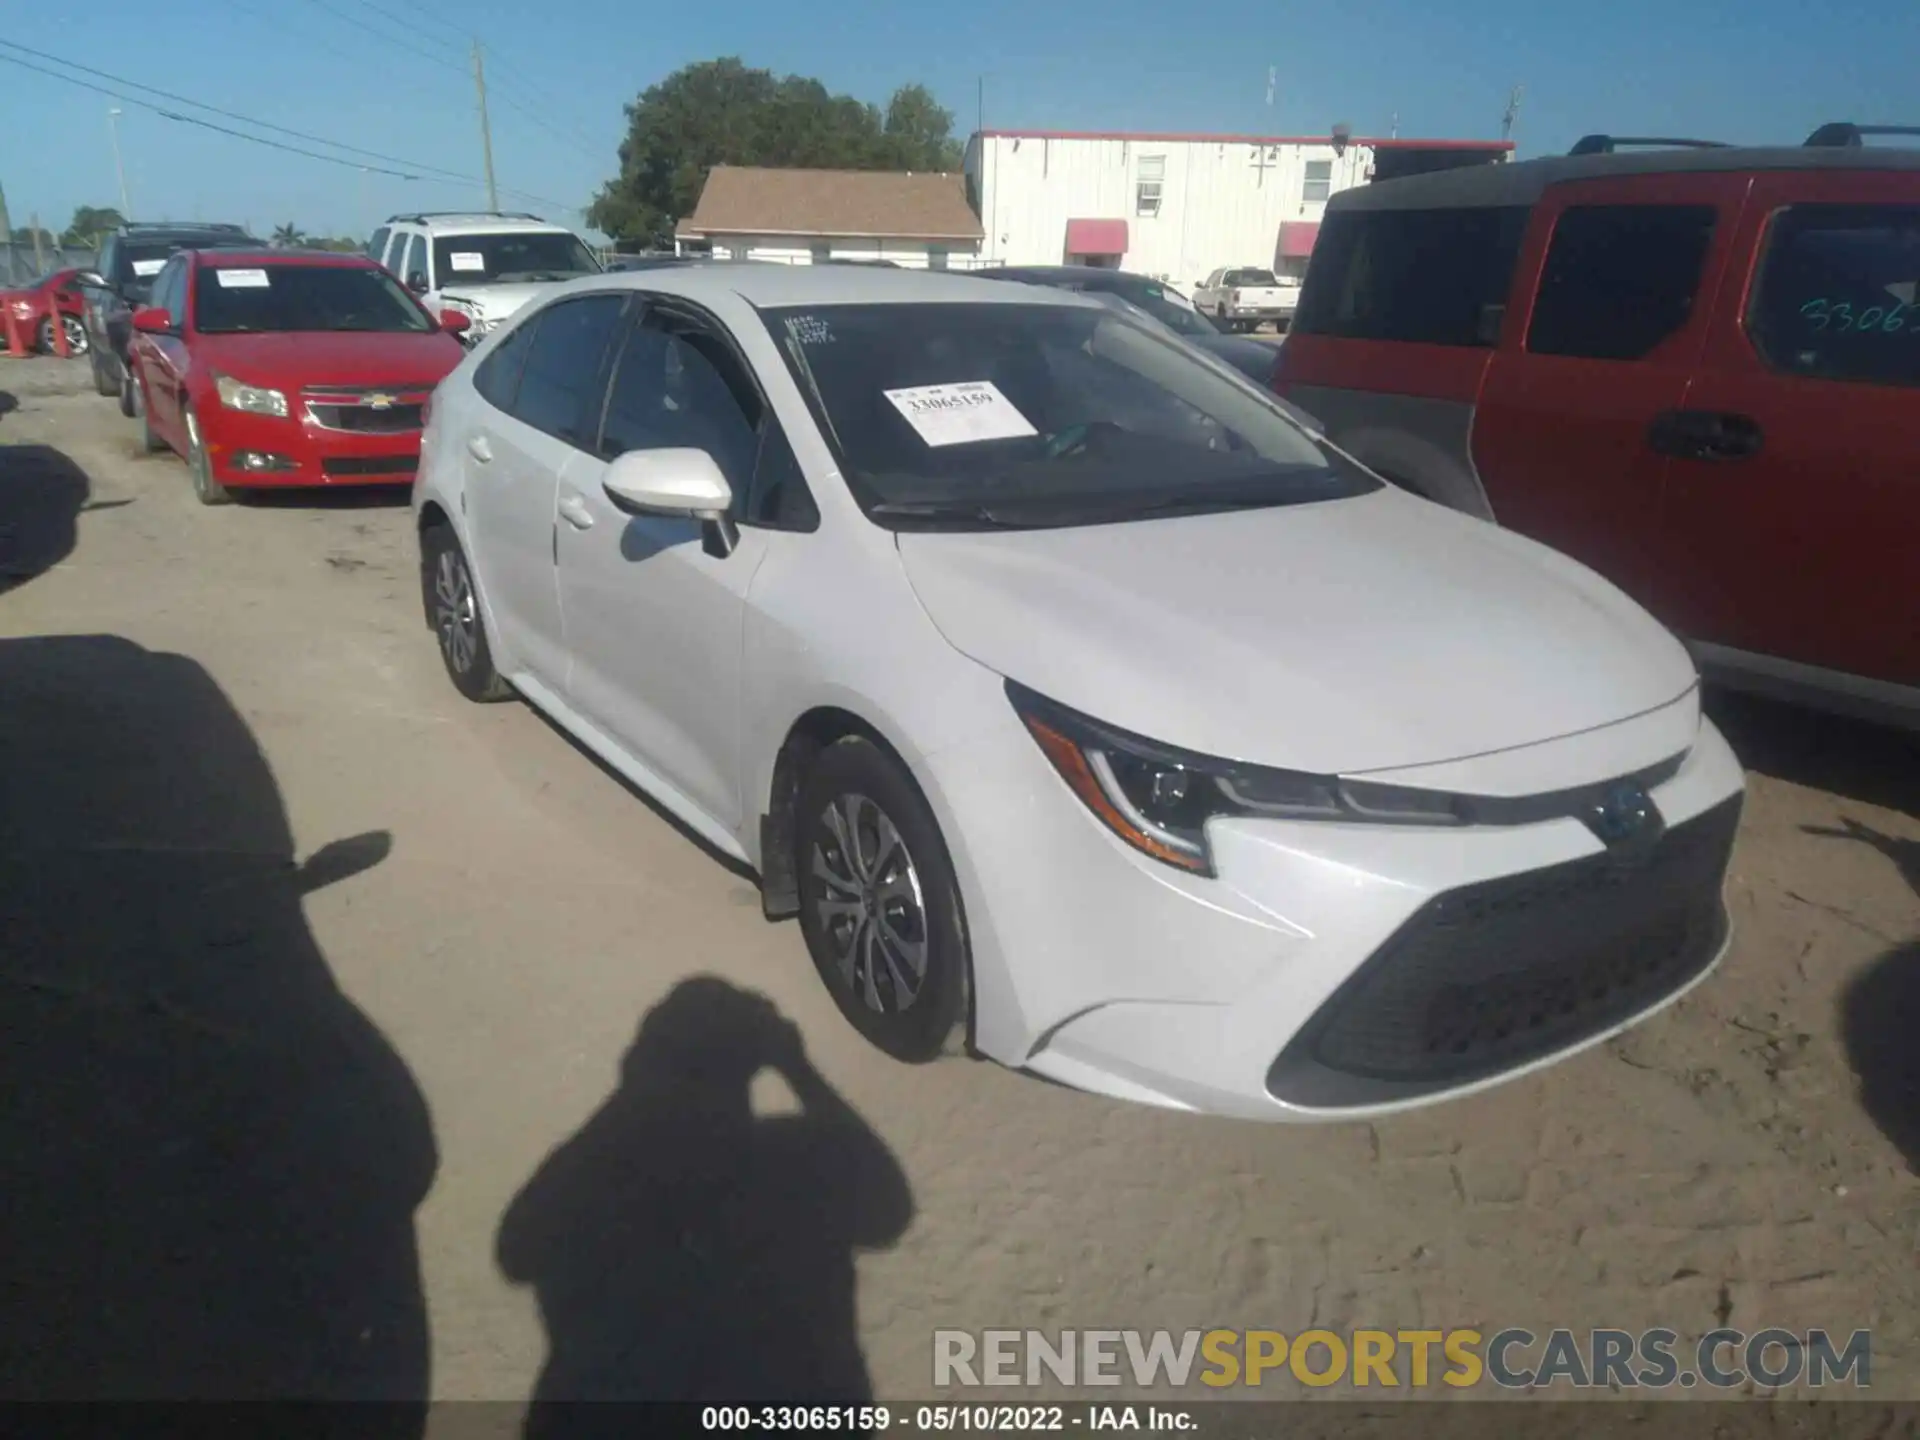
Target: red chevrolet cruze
{"points": [[287, 368]]}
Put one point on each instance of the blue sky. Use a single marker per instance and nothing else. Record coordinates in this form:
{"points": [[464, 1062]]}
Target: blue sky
{"points": [[1747, 70]]}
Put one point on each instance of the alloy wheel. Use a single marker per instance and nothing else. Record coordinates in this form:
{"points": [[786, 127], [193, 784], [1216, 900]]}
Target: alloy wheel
{"points": [[871, 909], [456, 617]]}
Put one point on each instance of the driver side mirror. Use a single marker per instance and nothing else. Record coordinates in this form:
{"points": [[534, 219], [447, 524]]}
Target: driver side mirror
{"points": [[153, 320], [454, 323], [417, 282], [92, 279], [675, 482]]}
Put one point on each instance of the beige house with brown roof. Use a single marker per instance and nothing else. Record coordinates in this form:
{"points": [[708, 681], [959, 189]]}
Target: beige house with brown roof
{"points": [[801, 217]]}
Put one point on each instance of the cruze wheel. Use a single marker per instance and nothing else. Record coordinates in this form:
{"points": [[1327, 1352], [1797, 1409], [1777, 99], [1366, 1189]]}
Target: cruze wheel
{"points": [[453, 610], [206, 489], [878, 903]]}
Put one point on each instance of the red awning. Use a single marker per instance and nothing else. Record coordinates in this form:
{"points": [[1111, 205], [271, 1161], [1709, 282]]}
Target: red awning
{"points": [[1096, 237], [1297, 237]]}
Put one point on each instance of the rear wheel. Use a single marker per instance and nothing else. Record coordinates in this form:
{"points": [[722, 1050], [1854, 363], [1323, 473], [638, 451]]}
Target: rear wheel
{"points": [[103, 381], [148, 435], [76, 335], [879, 905], [453, 610], [208, 490]]}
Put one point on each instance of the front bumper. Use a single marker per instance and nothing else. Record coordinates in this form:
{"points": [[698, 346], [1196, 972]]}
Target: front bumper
{"points": [[1332, 970], [307, 453]]}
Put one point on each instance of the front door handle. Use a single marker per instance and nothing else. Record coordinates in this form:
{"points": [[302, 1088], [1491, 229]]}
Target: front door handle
{"points": [[478, 447], [575, 512], [1704, 435]]}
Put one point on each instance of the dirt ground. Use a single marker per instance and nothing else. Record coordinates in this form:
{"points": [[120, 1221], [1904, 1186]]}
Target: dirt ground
{"points": [[320, 984]]}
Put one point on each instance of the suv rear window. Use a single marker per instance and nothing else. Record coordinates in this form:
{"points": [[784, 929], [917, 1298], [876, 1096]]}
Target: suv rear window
{"points": [[1428, 277], [1619, 279], [1836, 295]]}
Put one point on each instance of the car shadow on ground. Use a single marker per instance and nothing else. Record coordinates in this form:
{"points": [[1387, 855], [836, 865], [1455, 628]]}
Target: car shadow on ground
{"points": [[1851, 758], [683, 1247], [212, 1157], [8, 402]]}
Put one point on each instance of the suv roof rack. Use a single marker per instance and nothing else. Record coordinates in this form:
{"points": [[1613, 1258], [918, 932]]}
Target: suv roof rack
{"points": [[215, 225], [1607, 144], [420, 217], [1845, 135]]}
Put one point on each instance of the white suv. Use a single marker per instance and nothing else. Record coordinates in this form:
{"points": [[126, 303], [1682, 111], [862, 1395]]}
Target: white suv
{"points": [[485, 265]]}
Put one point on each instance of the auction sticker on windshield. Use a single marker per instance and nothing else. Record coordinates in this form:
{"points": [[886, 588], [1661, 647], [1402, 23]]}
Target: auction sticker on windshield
{"points": [[960, 414], [144, 268], [467, 260], [243, 279]]}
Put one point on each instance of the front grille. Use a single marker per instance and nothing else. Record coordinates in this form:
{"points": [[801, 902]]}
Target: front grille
{"points": [[1490, 976], [368, 409], [369, 464]]}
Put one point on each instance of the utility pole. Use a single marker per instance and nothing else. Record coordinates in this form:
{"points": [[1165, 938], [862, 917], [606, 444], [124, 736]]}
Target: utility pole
{"points": [[1513, 112], [113, 130], [486, 131], [39, 256]]}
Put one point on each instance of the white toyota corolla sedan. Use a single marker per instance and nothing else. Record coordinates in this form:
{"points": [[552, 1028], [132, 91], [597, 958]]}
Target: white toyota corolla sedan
{"points": [[1084, 707]]}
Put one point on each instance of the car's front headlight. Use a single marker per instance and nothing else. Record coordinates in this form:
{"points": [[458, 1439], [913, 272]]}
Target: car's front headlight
{"points": [[254, 399], [1159, 799]]}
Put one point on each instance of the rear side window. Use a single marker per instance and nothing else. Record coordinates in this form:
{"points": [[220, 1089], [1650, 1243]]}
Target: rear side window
{"points": [[562, 373], [1619, 279], [1427, 277], [1836, 294], [497, 377]]}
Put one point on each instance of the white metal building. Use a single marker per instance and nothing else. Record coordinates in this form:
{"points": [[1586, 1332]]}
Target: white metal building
{"points": [[1177, 206]]}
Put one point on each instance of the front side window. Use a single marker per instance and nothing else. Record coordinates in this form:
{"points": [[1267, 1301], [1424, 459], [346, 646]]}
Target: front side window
{"points": [[513, 257], [234, 299], [377, 246], [413, 267], [1619, 279], [985, 415], [170, 291], [1319, 181], [1429, 277], [1147, 183], [1836, 295], [561, 378], [677, 387]]}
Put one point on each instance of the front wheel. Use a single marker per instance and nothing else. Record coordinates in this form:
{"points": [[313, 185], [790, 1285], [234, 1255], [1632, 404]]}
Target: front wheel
{"points": [[206, 489], [103, 381], [453, 610], [131, 404], [879, 905]]}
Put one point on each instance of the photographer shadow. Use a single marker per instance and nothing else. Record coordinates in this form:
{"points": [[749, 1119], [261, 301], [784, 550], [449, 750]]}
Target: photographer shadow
{"points": [[685, 1248]]}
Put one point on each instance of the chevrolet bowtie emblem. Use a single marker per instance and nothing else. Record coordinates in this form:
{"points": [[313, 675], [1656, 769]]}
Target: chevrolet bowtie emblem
{"points": [[382, 402]]}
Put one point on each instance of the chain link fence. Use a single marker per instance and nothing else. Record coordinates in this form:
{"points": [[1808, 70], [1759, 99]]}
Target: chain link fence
{"points": [[19, 264]]}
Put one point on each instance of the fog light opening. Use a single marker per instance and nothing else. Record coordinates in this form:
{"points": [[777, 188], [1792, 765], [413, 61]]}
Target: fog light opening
{"points": [[259, 461]]}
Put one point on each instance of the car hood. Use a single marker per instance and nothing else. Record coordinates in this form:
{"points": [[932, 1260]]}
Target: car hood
{"points": [[1334, 637], [494, 302], [332, 358]]}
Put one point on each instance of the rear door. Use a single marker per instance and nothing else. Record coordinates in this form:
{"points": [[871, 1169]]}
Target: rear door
{"points": [[1612, 293], [1793, 509]]}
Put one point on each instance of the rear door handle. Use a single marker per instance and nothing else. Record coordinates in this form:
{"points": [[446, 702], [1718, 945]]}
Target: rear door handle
{"points": [[575, 512], [478, 447], [1704, 435]]}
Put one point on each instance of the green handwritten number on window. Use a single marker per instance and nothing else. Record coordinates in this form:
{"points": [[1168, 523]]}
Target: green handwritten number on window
{"points": [[1843, 312], [1896, 320], [1817, 313], [1821, 313]]}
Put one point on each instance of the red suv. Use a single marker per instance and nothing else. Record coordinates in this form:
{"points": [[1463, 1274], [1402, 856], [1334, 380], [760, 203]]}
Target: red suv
{"points": [[1693, 368], [34, 305], [287, 368]]}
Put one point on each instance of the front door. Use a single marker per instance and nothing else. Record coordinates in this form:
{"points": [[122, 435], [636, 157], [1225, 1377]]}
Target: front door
{"points": [[1613, 286], [655, 616], [163, 358], [1791, 528]]}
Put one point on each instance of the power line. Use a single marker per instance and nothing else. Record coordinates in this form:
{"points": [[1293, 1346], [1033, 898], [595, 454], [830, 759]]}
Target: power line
{"points": [[436, 175], [404, 41]]}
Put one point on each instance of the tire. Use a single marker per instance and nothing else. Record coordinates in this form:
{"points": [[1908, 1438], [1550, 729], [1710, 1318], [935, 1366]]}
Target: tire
{"points": [[453, 613], [76, 336], [103, 381], [856, 802], [206, 489], [131, 404]]}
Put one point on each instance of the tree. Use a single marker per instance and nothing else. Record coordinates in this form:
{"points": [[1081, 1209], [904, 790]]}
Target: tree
{"points": [[289, 234], [720, 112], [92, 224]]}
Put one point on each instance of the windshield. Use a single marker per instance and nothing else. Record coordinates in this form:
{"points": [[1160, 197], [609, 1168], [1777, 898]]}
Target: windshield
{"points": [[1251, 278], [139, 265], [1169, 308], [234, 298], [1017, 415], [511, 257]]}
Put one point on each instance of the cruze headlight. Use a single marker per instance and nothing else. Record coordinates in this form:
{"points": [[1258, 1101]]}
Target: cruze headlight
{"points": [[254, 399], [1159, 799]]}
